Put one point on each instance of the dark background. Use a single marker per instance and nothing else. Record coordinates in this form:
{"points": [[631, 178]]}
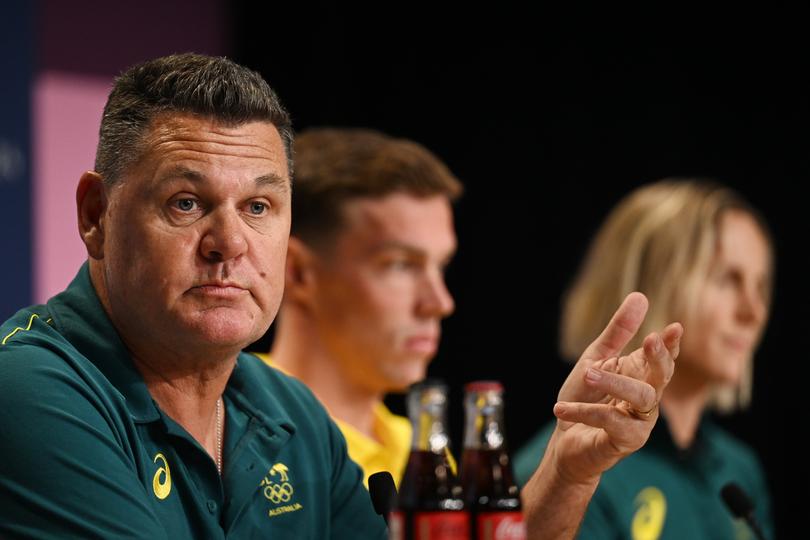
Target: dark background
{"points": [[549, 121]]}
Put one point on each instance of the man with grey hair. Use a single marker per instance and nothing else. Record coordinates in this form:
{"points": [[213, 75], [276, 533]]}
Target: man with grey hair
{"points": [[128, 410]]}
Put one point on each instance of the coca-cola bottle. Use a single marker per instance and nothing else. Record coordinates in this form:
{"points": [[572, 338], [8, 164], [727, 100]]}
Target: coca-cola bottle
{"points": [[490, 493], [429, 504]]}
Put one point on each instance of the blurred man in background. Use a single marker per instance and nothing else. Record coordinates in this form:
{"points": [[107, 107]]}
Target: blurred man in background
{"points": [[365, 294]]}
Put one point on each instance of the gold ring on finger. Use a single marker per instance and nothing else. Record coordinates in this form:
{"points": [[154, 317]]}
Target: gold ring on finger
{"points": [[642, 415]]}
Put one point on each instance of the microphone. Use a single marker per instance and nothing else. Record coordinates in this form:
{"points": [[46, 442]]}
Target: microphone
{"points": [[383, 493], [741, 506]]}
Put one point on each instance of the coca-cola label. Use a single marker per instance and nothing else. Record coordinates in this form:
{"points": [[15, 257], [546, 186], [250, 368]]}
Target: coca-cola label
{"points": [[501, 526], [441, 526]]}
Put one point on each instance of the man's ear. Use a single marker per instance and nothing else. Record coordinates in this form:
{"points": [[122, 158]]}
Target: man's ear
{"points": [[300, 272], [91, 206]]}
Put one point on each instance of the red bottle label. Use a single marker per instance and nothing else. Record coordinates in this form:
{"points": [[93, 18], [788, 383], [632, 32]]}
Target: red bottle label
{"points": [[501, 526], [431, 526], [396, 526], [441, 526]]}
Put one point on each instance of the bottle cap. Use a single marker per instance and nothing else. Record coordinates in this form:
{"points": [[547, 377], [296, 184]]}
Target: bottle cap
{"points": [[483, 386]]}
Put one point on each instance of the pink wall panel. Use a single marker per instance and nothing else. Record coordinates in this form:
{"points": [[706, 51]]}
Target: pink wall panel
{"points": [[67, 111]]}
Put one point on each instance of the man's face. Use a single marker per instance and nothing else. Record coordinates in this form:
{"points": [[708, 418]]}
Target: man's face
{"points": [[195, 236], [380, 288]]}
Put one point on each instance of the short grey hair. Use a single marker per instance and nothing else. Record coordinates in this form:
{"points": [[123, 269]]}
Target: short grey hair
{"points": [[187, 83]]}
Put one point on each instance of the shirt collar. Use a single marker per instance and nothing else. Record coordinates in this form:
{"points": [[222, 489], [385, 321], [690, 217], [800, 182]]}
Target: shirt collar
{"points": [[249, 389], [701, 449], [79, 316]]}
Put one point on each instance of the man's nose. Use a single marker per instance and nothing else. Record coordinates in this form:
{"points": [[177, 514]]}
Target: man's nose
{"points": [[224, 239], [436, 300]]}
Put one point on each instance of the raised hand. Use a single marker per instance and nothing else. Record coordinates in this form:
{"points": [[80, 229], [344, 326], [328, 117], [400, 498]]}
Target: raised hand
{"points": [[608, 405]]}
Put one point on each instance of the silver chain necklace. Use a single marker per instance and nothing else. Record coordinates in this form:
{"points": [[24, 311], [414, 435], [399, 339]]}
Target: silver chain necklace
{"points": [[218, 456]]}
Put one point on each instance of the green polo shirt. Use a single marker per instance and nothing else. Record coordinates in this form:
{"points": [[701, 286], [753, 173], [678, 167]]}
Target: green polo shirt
{"points": [[663, 492], [86, 453]]}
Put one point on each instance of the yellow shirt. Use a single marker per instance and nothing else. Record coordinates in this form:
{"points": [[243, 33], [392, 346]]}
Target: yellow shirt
{"points": [[388, 452]]}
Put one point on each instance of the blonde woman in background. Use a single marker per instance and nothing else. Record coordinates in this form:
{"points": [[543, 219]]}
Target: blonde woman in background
{"points": [[703, 256]]}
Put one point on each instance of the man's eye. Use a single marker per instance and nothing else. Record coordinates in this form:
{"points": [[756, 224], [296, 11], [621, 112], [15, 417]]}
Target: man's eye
{"points": [[401, 264], [257, 208], [186, 205]]}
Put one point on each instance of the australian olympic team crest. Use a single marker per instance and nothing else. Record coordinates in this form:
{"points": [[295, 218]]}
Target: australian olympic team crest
{"points": [[278, 489]]}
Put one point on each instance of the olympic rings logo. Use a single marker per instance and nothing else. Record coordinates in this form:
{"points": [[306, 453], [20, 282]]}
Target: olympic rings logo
{"points": [[278, 493]]}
